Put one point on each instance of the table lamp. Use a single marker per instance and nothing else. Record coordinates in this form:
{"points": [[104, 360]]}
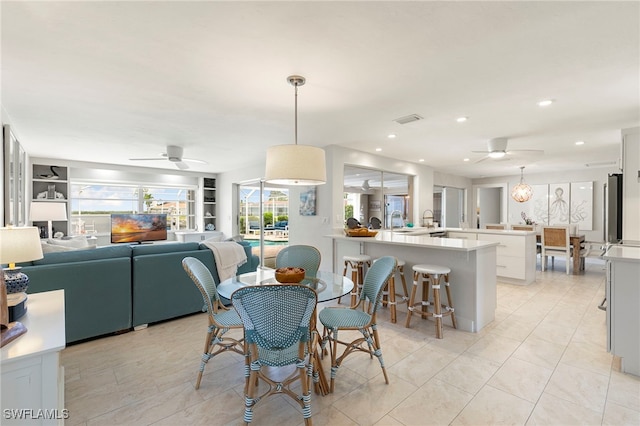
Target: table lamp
{"points": [[48, 212], [20, 244]]}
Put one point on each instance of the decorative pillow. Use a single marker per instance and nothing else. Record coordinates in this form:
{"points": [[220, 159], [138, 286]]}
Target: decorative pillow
{"points": [[53, 248], [73, 242]]}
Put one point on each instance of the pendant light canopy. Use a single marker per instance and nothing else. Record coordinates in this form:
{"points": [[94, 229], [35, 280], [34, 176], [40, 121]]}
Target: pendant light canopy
{"points": [[521, 192], [295, 164]]}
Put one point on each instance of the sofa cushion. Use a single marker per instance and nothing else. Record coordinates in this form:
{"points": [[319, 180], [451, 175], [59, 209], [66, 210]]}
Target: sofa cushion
{"points": [[145, 249], [108, 252]]}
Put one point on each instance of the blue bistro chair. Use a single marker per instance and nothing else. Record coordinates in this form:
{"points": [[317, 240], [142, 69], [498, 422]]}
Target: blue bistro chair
{"points": [[277, 328], [221, 318], [335, 319], [300, 256]]}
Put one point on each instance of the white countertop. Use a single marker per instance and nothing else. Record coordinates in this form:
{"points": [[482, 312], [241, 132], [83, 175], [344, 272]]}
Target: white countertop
{"points": [[623, 253], [44, 321], [492, 231], [398, 238]]}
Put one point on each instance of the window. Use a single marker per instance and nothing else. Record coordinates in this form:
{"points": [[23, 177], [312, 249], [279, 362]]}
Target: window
{"points": [[92, 204]]}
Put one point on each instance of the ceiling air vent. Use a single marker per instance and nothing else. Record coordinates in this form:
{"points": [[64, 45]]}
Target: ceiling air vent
{"points": [[408, 119]]}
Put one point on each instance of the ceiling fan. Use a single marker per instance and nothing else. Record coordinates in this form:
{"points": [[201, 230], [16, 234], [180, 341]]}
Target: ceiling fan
{"points": [[497, 150], [173, 154]]}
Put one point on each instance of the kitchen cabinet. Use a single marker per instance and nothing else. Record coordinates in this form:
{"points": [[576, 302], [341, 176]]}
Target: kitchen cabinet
{"points": [[516, 255], [32, 378], [623, 305]]}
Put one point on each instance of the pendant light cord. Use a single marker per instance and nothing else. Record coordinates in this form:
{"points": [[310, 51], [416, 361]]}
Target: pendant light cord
{"points": [[296, 113]]}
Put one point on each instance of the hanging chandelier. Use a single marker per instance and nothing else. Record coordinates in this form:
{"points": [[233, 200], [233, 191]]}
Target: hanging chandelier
{"points": [[295, 164], [521, 192]]}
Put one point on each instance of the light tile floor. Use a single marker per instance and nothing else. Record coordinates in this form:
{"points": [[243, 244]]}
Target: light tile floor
{"points": [[542, 361]]}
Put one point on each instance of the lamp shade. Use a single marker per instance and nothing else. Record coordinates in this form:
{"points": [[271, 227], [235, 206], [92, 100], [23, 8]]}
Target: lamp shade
{"points": [[46, 211], [295, 165], [20, 244]]}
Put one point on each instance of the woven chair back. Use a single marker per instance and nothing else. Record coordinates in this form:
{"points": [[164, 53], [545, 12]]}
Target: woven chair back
{"points": [[556, 237], [377, 276], [495, 226], [275, 316], [300, 256], [522, 227], [202, 278]]}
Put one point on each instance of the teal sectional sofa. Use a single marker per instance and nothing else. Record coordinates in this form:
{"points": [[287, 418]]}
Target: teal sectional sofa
{"points": [[115, 288]]}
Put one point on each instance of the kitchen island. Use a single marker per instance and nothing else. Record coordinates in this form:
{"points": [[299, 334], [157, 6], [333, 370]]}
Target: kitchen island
{"points": [[472, 263]]}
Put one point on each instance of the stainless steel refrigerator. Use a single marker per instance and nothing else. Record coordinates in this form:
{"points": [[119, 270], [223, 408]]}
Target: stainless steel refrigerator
{"points": [[613, 209]]}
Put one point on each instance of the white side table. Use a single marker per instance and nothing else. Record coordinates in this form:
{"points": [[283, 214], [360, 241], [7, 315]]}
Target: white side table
{"points": [[32, 378]]}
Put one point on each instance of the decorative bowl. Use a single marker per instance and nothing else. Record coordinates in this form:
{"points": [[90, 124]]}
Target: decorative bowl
{"points": [[289, 275]]}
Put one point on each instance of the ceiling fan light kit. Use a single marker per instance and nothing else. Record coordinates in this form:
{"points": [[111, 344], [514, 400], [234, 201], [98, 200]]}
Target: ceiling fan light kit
{"points": [[295, 164], [521, 192]]}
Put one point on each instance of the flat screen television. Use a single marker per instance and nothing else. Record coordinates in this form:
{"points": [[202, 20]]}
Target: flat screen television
{"points": [[138, 228]]}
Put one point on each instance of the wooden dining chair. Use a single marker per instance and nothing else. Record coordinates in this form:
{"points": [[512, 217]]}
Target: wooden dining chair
{"points": [[495, 226], [523, 227], [555, 242], [221, 318]]}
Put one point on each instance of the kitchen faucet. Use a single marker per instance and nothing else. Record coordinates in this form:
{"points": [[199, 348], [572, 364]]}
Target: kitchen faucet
{"points": [[427, 220], [398, 214]]}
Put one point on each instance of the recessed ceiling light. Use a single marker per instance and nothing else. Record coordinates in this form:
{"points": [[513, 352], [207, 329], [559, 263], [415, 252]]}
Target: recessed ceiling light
{"points": [[545, 102], [392, 136], [466, 159], [421, 160], [462, 119], [378, 149], [579, 142]]}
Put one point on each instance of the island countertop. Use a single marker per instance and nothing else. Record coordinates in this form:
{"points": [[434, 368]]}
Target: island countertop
{"points": [[623, 253], [405, 239]]}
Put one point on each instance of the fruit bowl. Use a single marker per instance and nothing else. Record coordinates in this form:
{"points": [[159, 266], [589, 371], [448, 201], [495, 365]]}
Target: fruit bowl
{"points": [[289, 275]]}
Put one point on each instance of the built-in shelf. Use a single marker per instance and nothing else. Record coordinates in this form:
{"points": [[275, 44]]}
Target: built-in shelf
{"points": [[209, 203], [50, 183]]}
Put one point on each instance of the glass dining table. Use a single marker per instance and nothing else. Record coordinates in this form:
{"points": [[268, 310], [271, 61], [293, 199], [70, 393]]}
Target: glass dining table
{"points": [[328, 286]]}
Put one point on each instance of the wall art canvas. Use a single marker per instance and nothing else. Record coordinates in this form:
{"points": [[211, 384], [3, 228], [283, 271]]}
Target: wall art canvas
{"points": [[559, 212], [308, 202], [581, 211], [539, 204]]}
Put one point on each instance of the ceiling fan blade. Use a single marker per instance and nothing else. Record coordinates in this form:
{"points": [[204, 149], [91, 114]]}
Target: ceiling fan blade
{"points": [[193, 160], [480, 152], [181, 165], [537, 151], [146, 159], [482, 159]]}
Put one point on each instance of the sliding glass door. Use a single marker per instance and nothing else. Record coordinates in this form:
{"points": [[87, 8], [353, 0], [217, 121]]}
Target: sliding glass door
{"points": [[263, 219]]}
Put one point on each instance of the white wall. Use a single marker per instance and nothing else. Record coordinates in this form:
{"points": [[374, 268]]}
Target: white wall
{"points": [[489, 202]]}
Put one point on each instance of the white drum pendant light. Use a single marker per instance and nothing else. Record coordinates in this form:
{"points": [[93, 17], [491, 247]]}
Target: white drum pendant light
{"points": [[295, 164], [521, 192]]}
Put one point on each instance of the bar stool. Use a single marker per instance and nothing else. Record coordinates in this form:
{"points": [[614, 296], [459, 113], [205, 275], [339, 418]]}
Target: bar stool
{"points": [[431, 275], [356, 263], [389, 294]]}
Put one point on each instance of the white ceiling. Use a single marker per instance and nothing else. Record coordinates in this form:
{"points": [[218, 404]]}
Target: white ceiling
{"points": [[108, 81]]}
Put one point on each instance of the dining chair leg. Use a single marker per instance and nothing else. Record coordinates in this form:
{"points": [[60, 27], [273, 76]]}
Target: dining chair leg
{"points": [[377, 351], [206, 354]]}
